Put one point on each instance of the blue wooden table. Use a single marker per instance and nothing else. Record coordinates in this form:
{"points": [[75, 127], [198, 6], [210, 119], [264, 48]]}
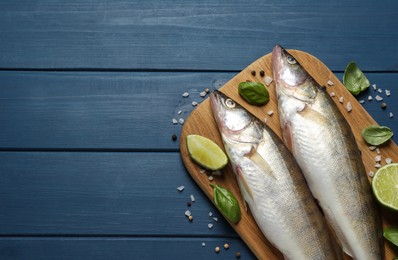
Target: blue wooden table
{"points": [[88, 91]]}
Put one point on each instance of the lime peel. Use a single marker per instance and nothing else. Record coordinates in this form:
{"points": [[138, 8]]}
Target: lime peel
{"points": [[385, 186], [206, 153]]}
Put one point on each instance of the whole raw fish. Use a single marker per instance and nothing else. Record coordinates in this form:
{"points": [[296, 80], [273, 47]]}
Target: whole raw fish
{"points": [[325, 148], [272, 184]]}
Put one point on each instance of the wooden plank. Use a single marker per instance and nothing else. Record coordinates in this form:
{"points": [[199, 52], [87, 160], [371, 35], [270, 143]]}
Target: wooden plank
{"points": [[194, 35], [121, 248], [125, 194], [111, 110], [202, 122]]}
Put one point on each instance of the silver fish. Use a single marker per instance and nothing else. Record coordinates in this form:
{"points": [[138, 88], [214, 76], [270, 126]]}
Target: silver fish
{"points": [[272, 184], [324, 146]]}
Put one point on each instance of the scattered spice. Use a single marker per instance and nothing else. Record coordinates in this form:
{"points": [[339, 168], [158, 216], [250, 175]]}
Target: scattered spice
{"points": [[332, 94], [378, 98], [194, 103], [215, 219], [207, 90], [370, 98], [391, 115], [185, 94], [210, 214], [179, 112], [348, 107], [379, 90], [388, 92], [211, 178], [330, 83], [202, 94], [270, 113], [361, 101], [180, 188], [374, 87], [226, 246], [189, 203], [237, 254], [268, 80], [188, 213], [341, 100], [174, 137], [203, 244], [192, 198], [378, 158], [181, 121], [190, 218], [210, 225], [253, 72], [377, 165], [262, 73], [383, 105], [371, 174], [217, 249], [388, 160], [175, 121]]}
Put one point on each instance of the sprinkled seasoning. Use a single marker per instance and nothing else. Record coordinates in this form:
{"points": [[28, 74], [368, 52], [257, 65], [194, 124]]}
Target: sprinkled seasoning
{"points": [[383, 105], [378, 158], [210, 226], [262, 73], [332, 94], [388, 160], [203, 94], [185, 94], [180, 188], [377, 165], [378, 150], [202, 171], [371, 174], [192, 198], [361, 101], [188, 213], [203, 244], [372, 148], [391, 115], [226, 246], [179, 112], [189, 203], [215, 219], [181, 121], [330, 83], [217, 249], [175, 121], [190, 218], [341, 99], [388, 92], [194, 103], [237, 254], [379, 90], [253, 72], [378, 98], [348, 107], [210, 214], [270, 113], [174, 137], [370, 98], [207, 90], [211, 178], [268, 80], [374, 87]]}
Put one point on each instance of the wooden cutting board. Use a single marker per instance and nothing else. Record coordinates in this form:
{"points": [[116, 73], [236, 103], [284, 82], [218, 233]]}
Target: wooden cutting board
{"points": [[201, 122]]}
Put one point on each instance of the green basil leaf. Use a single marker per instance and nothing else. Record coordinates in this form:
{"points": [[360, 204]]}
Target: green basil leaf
{"points": [[354, 80], [376, 135], [254, 93], [391, 234], [226, 203]]}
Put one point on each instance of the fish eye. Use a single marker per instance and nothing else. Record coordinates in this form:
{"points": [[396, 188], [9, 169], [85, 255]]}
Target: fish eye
{"points": [[291, 60], [230, 103]]}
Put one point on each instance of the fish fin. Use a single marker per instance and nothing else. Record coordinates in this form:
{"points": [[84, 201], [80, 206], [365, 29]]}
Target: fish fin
{"points": [[287, 135], [244, 187], [337, 232], [259, 161]]}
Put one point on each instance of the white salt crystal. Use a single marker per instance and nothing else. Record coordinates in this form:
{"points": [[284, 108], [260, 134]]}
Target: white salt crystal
{"points": [[181, 121], [378, 150], [379, 90], [270, 112], [180, 188], [388, 92], [348, 106], [332, 94], [372, 148], [174, 121], [378, 165], [210, 214], [188, 213], [370, 98], [341, 99], [202, 94], [267, 80], [371, 174], [194, 103], [361, 101], [388, 160], [203, 244], [330, 83], [391, 115], [215, 219], [179, 112], [378, 98], [374, 86], [378, 158], [185, 94], [211, 178], [265, 119], [192, 198], [209, 225]]}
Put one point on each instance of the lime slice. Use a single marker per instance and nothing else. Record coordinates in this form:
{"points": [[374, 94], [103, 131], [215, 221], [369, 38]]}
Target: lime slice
{"points": [[385, 185], [206, 153]]}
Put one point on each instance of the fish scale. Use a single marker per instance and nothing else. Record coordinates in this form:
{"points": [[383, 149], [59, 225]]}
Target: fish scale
{"points": [[272, 184], [325, 148]]}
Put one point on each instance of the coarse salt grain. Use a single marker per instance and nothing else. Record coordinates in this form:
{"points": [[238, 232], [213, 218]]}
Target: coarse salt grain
{"points": [[378, 150], [361, 101], [270, 112], [175, 121], [181, 121], [194, 103], [379, 90], [192, 198], [211, 178], [348, 107], [188, 213], [391, 115], [377, 165], [210, 213], [267, 80], [388, 92], [372, 148], [215, 219], [179, 112], [202, 171], [265, 119], [378, 158], [203, 244], [341, 99], [332, 94], [202, 94], [374, 86], [209, 225], [330, 83], [378, 98], [180, 188], [370, 98], [388, 160], [185, 94], [371, 174]]}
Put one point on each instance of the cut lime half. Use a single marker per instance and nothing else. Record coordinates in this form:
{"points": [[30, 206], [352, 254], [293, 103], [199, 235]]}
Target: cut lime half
{"points": [[385, 185], [206, 153]]}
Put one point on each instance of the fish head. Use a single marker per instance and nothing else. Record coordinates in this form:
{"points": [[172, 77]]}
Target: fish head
{"points": [[234, 122], [291, 78]]}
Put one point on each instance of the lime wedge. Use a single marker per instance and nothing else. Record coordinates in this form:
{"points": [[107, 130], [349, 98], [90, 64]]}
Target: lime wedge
{"points": [[206, 153], [385, 185]]}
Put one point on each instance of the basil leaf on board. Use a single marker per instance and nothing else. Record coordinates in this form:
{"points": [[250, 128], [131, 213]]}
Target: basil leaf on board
{"points": [[391, 234], [376, 135], [226, 203], [354, 80], [254, 93]]}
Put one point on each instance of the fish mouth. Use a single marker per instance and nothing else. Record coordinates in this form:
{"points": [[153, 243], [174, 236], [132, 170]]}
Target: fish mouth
{"points": [[217, 107]]}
